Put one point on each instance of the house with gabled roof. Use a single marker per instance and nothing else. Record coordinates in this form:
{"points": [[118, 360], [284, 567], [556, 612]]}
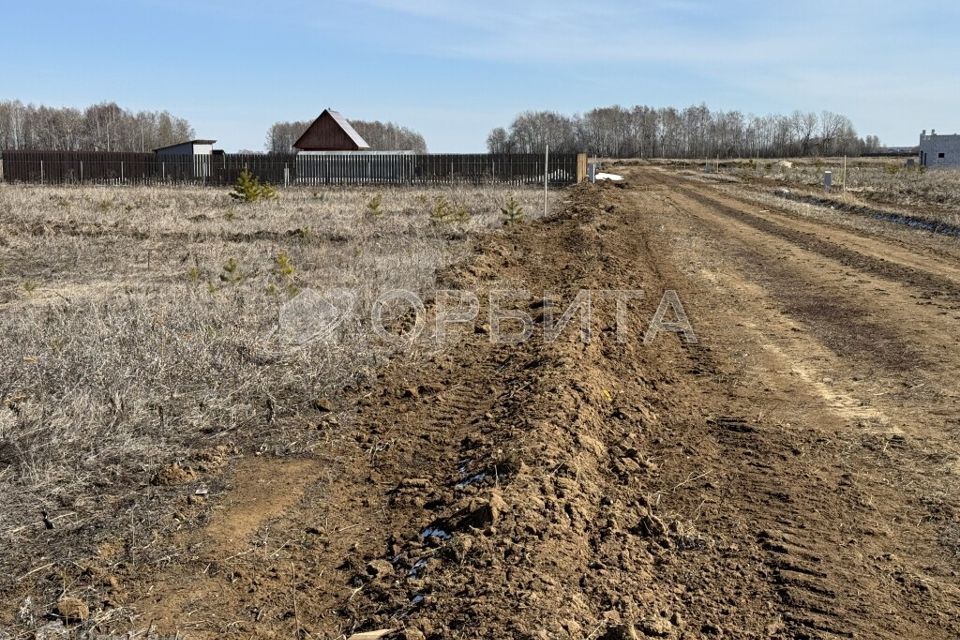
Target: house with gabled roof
{"points": [[331, 132]]}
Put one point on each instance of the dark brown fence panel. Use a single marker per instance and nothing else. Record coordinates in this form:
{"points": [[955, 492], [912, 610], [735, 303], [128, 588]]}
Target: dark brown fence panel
{"points": [[219, 169], [64, 167]]}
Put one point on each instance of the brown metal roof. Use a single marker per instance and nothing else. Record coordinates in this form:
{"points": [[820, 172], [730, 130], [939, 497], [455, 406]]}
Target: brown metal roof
{"points": [[349, 130], [330, 132]]}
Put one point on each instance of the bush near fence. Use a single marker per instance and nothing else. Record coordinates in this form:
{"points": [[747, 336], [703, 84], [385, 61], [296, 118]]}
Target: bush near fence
{"points": [[73, 167]]}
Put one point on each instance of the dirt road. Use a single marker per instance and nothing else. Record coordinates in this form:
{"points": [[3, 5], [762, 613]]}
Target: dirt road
{"points": [[793, 474]]}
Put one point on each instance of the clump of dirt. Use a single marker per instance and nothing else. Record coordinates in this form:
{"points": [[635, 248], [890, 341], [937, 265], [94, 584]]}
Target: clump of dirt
{"points": [[173, 474], [206, 461], [73, 610]]}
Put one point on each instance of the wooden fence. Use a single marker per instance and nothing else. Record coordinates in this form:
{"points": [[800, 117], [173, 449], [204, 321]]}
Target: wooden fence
{"points": [[335, 168]]}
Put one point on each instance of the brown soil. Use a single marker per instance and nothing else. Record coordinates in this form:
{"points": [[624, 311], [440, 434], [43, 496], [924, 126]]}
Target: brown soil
{"points": [[791, 475]]}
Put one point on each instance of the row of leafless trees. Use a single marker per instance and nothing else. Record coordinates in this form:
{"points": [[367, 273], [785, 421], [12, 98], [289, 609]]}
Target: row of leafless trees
{"points": [[381, 136], [694, 132], [101, 127]]}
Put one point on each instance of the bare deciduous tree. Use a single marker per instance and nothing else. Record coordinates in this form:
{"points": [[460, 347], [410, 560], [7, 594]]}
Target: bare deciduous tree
{"points": [[694, 132], [100, 127]]}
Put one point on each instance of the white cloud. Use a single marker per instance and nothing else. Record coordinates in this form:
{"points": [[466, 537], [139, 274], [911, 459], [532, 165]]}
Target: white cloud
{"points": [[543, 31], [680, 32]]}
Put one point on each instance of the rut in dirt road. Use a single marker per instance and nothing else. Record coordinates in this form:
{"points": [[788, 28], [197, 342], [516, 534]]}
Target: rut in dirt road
{"points": [[930, 283], [823, 521]]}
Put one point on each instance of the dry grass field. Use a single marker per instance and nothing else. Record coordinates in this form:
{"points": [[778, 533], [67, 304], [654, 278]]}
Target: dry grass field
{"points": [[137, 327], [935, 193]]}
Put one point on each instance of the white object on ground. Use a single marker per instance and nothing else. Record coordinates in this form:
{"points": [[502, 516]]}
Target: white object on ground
{"points": [[608, 176]]}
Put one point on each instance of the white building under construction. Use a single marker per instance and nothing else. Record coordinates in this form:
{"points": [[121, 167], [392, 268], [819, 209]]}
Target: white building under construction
{"points": [[939, 151]]}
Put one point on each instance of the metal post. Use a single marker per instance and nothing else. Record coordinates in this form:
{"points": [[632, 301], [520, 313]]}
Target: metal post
{"points": [[546, 177], [844, 173], [121, 172], [41, 172], [163, 171], [81, 172]]}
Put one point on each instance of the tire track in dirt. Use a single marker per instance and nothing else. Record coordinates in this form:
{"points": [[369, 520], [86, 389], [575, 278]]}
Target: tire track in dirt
{"points": [[830, 577], [901, 243], [933, 285], [808, 579], [885, 239], [815, 584], [840, 322]]}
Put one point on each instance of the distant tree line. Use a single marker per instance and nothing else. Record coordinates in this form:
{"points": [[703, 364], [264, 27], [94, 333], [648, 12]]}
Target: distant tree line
{"points": [[694, 132], [101, 127], [381, 136]]}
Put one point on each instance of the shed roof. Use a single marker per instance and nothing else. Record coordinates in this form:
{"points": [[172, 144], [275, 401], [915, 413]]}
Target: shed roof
{"points": [[315, 133], [180, 144]]}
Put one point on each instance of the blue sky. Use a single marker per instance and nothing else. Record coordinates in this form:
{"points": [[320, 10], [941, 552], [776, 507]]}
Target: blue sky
{"points": [[454, 69]]}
